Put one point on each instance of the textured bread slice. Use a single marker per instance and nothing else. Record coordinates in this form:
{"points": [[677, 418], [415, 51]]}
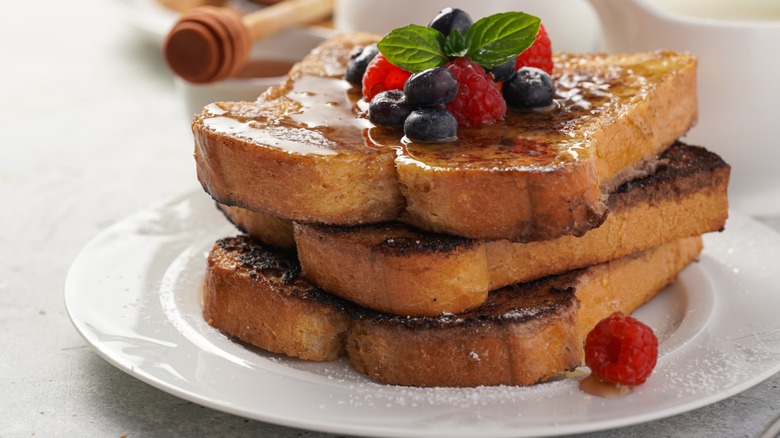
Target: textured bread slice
{"points": [[305, 151], [257, 295], [269, 229], [396, 269], [523, 334]]}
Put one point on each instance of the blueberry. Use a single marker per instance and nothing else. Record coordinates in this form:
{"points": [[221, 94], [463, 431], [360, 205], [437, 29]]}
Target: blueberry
{"points": [[431, 125], [529, 88], [358, 62], [435, 86], [504, 71], [389, 108], [449, 19]]}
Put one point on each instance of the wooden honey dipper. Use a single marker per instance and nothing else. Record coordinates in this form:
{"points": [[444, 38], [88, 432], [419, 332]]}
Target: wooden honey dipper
{"points": [[209, 44]]}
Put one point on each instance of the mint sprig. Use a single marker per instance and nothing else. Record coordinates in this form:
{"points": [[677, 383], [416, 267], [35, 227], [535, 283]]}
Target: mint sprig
{"points": [[414, 48], [455, 44], [498, 38], [491, 41]]}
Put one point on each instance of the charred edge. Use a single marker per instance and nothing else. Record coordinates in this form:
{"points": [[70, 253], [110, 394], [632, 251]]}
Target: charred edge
{"points": [[681, 170], [426, 243], [260, 260], [255, 257], [223, 209], [541, 297], [415, 242], [504, 306]]}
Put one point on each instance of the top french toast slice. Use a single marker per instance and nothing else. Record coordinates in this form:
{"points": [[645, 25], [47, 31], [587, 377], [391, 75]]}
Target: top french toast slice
{"points": [[305, 150]]}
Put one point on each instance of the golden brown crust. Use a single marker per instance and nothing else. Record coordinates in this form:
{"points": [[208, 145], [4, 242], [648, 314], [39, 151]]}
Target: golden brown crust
{"points": [[269, 229], [523, 334], [521, 205], [606, 290], [300, 151], [389, 280], [251, 155], [257, 296], [686, 196], [370, 265], [500, 353]]}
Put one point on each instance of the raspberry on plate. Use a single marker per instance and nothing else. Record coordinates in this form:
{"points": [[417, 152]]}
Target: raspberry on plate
{"points": [[381, 76], [539, 55], [622, 350], [479, 101]]}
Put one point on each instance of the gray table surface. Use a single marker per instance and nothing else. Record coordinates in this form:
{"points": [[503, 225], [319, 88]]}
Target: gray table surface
{"points": [[93, 130]]}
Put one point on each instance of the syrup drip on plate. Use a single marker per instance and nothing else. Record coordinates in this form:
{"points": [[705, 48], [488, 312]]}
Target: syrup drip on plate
{"points": [[600, 388]]}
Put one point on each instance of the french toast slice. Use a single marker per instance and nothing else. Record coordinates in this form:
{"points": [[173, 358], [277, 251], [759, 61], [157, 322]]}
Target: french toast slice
{"points": [[256, 294], [305, 151], [523, 334], [268, 229], [396, 269]]}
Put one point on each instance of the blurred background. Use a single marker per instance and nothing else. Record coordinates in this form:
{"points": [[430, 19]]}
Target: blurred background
{"points": [[95, 127]]}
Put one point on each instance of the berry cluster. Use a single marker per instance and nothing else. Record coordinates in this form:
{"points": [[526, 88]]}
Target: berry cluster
{"points": [[459, 90], [479, 100], [621, 349]]}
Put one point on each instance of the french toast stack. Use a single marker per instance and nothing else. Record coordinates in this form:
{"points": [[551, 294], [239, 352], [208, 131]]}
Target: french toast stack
{"points": [[484, 261]]}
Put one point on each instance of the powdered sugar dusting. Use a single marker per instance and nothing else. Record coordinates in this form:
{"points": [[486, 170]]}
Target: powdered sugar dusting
{"points": [[521, 312]]}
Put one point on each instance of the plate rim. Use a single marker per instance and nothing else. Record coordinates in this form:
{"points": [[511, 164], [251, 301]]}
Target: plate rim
{"points": [[302, 422]]}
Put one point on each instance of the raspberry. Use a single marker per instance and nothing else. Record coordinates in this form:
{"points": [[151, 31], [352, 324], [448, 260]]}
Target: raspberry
{"points": [[479, 101], [539, 55], [621, 350], [381, 76]]}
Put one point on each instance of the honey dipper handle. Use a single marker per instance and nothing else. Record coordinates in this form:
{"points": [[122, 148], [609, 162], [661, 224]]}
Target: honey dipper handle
{"points": [[284, 14], [210, 44]]}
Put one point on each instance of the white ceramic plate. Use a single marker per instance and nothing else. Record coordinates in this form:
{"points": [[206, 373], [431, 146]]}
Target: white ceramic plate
{"points": [[133, 295]]}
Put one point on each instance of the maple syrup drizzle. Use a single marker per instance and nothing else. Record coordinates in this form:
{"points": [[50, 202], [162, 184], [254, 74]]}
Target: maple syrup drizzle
{"points": [[324, 116], [599, 388]]}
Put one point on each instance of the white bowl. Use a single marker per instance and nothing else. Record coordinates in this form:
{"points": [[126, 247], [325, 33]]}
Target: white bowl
{"points": [[738, 86]]}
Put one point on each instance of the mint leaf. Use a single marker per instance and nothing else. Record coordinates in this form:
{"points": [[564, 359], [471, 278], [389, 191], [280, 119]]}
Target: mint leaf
{"points": [[455, 44], [496, 39], [414, 48]]}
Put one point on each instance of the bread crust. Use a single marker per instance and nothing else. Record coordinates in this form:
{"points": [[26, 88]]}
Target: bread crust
{"points": [[257, 296], [522, 335], [304, 152], [269, 229], [396, 269], [388, 277]]}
